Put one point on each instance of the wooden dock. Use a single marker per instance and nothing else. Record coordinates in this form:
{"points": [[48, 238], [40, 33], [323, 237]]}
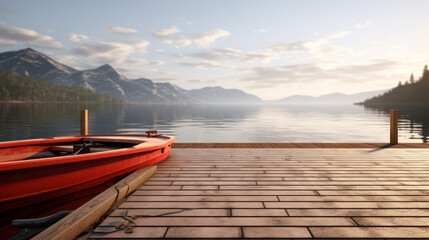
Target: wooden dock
{"points": [[280, 192]]}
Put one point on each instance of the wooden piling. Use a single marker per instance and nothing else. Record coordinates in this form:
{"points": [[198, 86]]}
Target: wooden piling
{"points": [[393, 126], [84, 122]]}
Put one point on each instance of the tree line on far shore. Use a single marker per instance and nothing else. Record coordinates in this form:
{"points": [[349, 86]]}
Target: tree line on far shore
{"points": [[410, 92], [24, 88]]}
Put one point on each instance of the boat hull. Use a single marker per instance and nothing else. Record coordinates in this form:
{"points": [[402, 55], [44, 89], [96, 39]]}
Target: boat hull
{"points": [[27, 182]]}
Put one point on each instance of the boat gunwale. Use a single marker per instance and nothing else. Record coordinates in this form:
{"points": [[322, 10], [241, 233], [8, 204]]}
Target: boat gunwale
{"points": [[62, 187], [43, 162]]}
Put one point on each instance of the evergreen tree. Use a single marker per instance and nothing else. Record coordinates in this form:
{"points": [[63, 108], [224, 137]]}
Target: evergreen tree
{"points": [[425, 76], [13, 87], [413, 93]]}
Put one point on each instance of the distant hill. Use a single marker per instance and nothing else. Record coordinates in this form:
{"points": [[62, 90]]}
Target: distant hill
{"points": [[333, 98], [23, 88], [411, 92], [106, 80], [220, 95]]}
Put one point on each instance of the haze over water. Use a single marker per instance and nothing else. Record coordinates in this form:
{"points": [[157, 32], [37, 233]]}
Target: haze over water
{"points": [[216, 123]]}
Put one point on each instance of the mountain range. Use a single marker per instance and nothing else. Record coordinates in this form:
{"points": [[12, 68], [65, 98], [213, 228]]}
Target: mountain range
{"points": [[333, 98], [106, 80]]}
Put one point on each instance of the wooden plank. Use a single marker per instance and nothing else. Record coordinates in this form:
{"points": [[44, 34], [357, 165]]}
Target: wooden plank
{"points": [[142, 232], [235, 221], [201, 198], [202, 212], [370, 232], [259, 213], [419, 212], [345, 205], [223, 193], [393, 221], [346, 190], [384, 192], [133, 205], [354, 198], [81, 219], [203, 232], [276, 232]]}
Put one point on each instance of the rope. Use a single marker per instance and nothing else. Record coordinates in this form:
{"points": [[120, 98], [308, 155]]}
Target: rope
{"points": [[110, 208], [128, 224]]}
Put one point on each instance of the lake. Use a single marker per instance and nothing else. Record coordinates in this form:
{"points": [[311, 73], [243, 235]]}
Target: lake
{"points": [[217, 123]]}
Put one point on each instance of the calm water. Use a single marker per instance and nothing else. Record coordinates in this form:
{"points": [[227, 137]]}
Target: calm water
{"points": [[217, 123]]}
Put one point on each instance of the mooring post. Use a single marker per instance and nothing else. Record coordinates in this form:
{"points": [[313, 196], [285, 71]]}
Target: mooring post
{"points": [[84, 122], [393, 126]]}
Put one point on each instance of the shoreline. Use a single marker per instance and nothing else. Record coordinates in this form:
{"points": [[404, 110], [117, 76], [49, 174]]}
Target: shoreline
{"points": [[20, 101]]}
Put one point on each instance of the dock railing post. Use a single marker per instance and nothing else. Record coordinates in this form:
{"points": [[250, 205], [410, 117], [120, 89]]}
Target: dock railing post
{"points": [[84, 122], [393, 126]]}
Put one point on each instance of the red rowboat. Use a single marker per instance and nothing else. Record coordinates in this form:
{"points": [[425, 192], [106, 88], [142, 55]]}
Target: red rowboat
{"points": [[33, 171]]}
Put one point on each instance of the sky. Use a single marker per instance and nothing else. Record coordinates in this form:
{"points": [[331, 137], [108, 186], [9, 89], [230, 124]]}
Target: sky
{"points": [[272, 49]]}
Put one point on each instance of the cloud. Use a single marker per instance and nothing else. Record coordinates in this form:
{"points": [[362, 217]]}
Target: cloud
{"points": [[231, 54], [307, 45], [7, 10], [273, 76], [157, 63], [28, 37], [202, 40], [205, 64], [70, 60], [110, 52], [136, 61], [6, 43], [376, 66], [96, 49], [205, 39], [195, 81], [120, 54], [140, 44], [120, 30], [261, 30], [78, 37], [166, 32], [299, 46], [362, 25], [141, 61], [180, 55], [338, 34]]}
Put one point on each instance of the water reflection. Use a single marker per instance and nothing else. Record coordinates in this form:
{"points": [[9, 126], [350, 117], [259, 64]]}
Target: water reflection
{"points": [[412, 119], [216, 123]]}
